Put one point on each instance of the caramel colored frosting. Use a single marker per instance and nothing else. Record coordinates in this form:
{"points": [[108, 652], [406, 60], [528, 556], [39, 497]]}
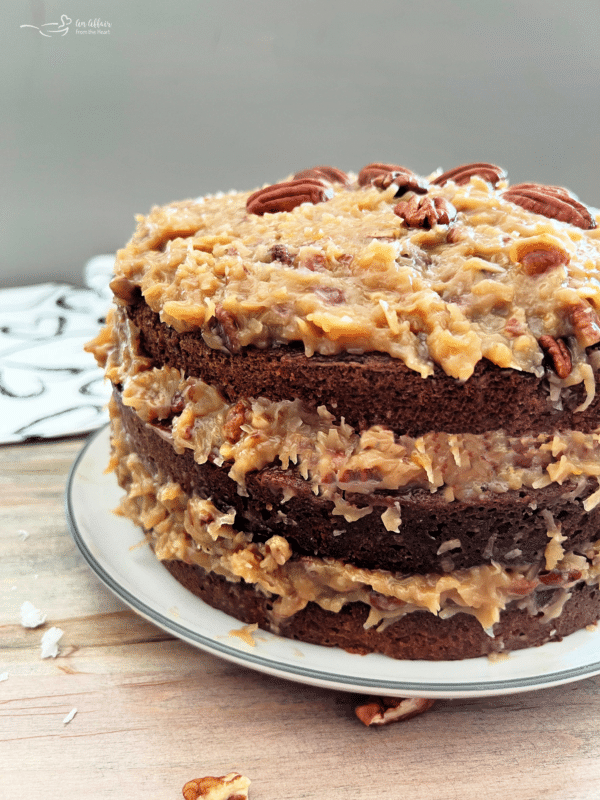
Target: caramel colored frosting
{"points": [[452, 272]]}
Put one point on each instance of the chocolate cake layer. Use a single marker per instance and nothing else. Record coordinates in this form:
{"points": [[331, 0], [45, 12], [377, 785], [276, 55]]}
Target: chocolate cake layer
{"points": [[371, 389], [416, 635], [509, 528]]}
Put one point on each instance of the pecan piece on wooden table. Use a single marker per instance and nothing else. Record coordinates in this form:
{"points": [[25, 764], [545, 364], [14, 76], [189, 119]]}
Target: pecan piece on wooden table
{"points": [[385, 710], [228, 787]]}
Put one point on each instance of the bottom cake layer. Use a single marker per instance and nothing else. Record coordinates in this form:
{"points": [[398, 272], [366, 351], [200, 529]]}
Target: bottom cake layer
{"points": [[419, 635]]}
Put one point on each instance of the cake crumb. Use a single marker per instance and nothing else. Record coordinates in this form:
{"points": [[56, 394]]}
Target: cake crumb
{"points": [[245, 633], [31, 617], [494, 658], [50, 641], [69, 716]]}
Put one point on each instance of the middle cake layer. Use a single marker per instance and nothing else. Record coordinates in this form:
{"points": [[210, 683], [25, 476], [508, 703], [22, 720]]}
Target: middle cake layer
{"points": [[512, 529]]}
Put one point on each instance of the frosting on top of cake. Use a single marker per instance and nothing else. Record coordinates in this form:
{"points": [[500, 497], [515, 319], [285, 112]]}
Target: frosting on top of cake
{"points": [[440, 270]]}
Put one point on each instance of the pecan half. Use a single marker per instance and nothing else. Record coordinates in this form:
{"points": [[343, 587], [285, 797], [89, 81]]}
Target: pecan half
{"points": [[559, 353], [286, 196], [463, 174], [385, 710], [323, 173], [553, 202], [425, 212], [384, 175], [586, 325], [225, 326], [228, 787]]}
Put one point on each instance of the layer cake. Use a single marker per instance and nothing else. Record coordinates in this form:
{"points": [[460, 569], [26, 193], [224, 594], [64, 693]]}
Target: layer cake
{"points": [[361, 409]]}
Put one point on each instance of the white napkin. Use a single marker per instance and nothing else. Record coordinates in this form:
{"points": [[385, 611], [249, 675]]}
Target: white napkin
{"points": [[49, 387]]}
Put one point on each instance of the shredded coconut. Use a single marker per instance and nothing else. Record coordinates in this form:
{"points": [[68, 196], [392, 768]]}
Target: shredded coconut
{"points": [[554, 551], [592, 501], [50, 641], [69, 716], [451, 544], [391, 518], [31, 617]]}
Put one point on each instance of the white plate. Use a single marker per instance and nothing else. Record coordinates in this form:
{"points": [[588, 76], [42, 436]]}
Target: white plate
{"points": [[108, 543]]}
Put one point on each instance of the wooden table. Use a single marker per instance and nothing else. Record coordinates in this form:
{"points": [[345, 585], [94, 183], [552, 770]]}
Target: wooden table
{"points": [[153, 712]]}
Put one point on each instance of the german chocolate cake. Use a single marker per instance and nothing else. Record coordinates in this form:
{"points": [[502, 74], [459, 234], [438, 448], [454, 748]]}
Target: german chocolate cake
{"points": [[362, 409]]}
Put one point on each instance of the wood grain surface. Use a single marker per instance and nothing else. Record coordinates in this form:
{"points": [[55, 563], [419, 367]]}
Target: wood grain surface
{"points": [[154, 712]]}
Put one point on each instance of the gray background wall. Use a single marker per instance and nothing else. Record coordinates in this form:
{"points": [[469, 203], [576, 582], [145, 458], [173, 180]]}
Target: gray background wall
{"points": [[193, 96]]}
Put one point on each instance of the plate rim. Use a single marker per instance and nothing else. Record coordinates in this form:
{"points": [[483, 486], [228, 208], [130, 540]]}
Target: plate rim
{"points": [[301, 674]]}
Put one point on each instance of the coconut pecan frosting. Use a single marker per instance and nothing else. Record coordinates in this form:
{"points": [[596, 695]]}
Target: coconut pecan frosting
{"points": [[446, 269]]}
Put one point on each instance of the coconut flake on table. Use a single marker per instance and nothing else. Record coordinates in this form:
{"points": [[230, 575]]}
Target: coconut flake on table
{"points": [[3, 676], [23, 535], [69, 716], [31, 617], [50, 642]]}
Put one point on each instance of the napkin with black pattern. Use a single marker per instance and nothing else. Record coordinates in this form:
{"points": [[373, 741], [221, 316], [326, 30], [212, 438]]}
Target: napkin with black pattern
{"points": [[50, 387]]}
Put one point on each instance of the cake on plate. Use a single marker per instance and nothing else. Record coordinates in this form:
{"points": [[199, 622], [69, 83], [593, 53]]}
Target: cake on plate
{"points": [[361, 410]]}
